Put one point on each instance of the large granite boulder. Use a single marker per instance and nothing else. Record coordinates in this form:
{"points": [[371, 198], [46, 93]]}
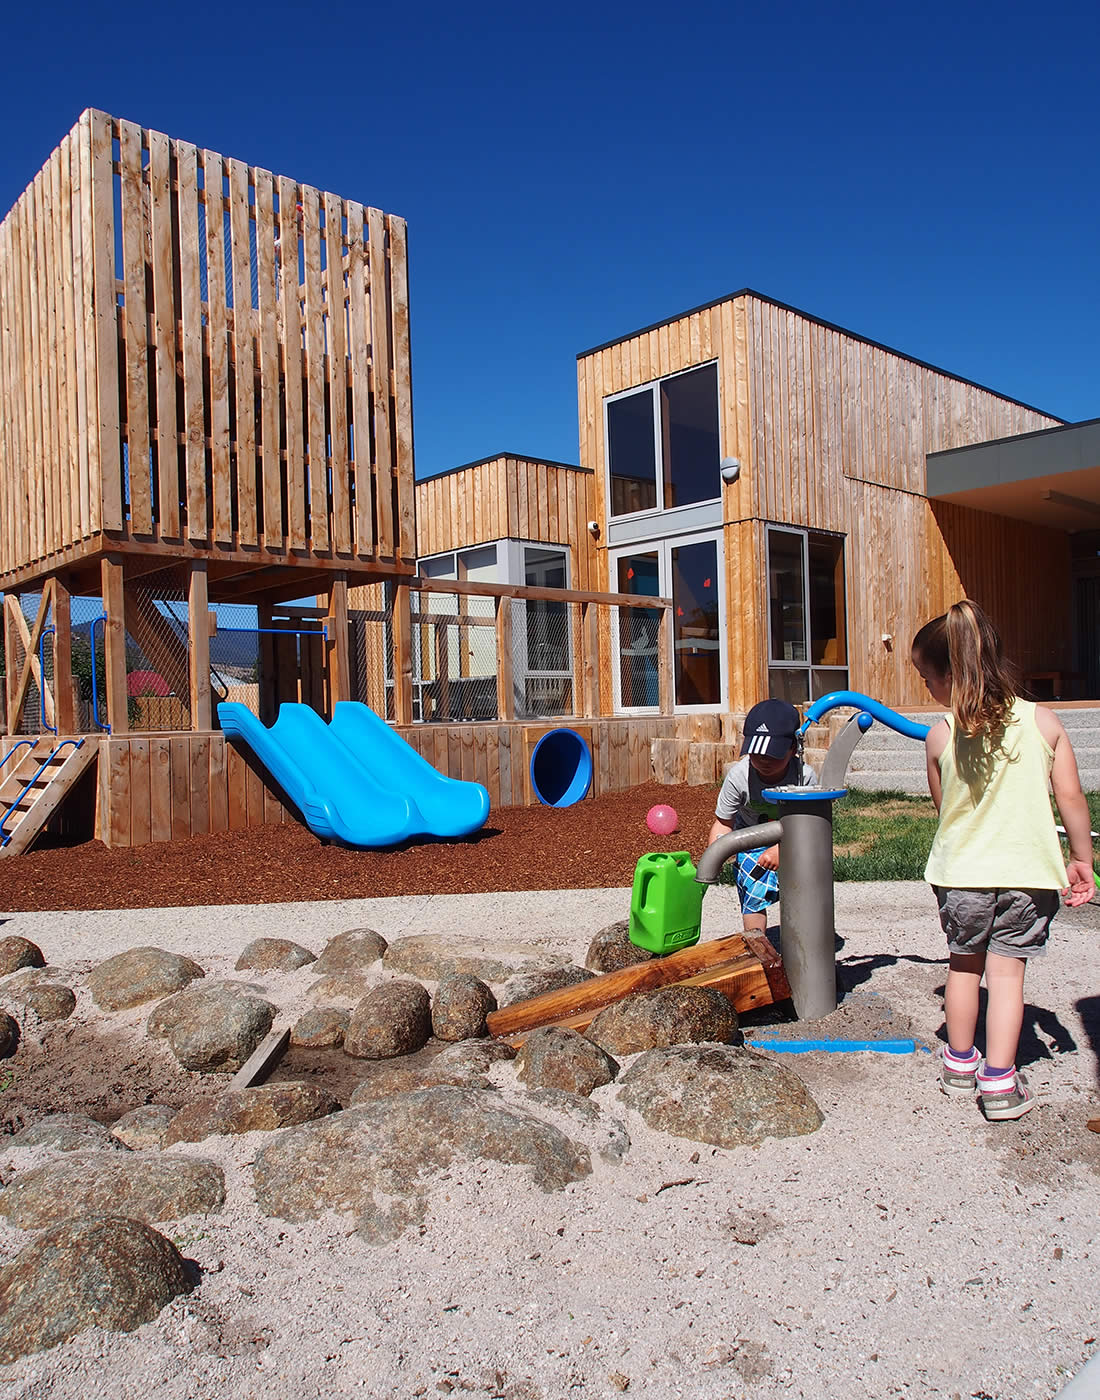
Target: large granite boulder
{"points": [[433, 957], [105, 1272], [611, 949], [353, 951], [49, 1001], [376, 1161], [536, 984], [394, 1019], [259, 1109], [721, 1094], [463, 1064], [460, 1006], [143, 1127], [16, 952], [553, 1058], [273, 955], [323, 1027], [212, 1028], [139, 1186], [337, 987], [68, 1132], [140, 975], [664, 1016]]}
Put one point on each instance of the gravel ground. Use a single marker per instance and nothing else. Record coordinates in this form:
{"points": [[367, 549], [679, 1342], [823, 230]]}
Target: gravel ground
{"points": [[906, 1248]]}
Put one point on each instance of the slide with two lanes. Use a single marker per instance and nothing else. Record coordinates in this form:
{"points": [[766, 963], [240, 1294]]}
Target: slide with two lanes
{"points": [[355, 780]]}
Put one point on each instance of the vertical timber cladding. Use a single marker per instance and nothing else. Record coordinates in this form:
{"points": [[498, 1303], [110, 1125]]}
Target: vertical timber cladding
{"points": [[832, 433], [510, 498], [239, 381]]}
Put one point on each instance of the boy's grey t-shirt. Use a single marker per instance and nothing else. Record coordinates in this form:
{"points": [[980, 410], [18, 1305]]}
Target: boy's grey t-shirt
{"points": [[739, 802]]}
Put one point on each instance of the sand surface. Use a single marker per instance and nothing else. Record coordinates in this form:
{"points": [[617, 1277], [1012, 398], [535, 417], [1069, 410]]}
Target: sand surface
{"points": [[906, 1248]]}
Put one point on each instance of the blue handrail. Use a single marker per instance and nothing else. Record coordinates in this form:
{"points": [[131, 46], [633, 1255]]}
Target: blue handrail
{"points": [[7, 835], [50, 631], [875, 708], [15, 749]]}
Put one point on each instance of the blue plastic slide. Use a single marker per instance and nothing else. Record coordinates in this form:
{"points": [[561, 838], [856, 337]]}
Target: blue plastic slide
{"points": [[355, 780]]}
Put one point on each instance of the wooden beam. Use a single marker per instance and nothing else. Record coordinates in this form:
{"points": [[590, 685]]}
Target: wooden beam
{"points": [[114, 643], [63, 691], [198, 610], [552, 595], [338, 659], [402, 653], [506, 699], [31, 665], [664, 663]]}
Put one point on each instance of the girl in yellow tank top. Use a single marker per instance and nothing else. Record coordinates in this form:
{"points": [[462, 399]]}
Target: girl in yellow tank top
{"points": [[996, 863]]}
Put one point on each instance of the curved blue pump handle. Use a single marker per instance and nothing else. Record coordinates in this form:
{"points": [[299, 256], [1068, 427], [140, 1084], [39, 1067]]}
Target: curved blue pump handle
{"points": [[875, 709]]}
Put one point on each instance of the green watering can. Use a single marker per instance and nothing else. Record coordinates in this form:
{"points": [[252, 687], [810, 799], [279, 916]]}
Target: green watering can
{"points": [[666, 903]]}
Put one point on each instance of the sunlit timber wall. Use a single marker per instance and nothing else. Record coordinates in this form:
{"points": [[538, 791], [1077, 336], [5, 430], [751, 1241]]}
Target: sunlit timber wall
{"points": [[832, 432], [199, 358]]}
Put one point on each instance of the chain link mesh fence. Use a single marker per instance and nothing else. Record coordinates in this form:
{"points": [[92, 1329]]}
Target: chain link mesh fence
{"points": [[639, 657], [158, 642]]}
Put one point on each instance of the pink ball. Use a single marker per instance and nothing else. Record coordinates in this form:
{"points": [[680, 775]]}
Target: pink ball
{"points": [[662, 821]]}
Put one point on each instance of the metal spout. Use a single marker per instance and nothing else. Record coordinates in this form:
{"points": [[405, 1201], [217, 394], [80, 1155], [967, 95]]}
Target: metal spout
{"points": [[749, 838]]}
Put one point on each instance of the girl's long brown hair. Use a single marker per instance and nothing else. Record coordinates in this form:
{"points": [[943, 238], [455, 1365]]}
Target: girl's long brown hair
{"points": [[966, 645]]}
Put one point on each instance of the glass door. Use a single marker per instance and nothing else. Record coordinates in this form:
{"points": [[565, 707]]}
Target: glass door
{"points": [[690, 572]]}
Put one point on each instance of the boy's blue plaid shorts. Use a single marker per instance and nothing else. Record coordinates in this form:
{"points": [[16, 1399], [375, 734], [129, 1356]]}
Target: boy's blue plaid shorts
{"points": [[757, 888]]}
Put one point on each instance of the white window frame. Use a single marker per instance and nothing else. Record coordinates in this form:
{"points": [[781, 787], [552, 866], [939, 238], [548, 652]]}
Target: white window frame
{"points": [[663, 548], [653, 386]]}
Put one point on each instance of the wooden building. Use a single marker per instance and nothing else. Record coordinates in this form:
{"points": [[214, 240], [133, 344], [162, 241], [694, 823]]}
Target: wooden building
{"points": [[767, 472]]}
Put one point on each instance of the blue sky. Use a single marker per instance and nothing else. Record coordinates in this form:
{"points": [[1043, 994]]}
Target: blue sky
{"points": [[925, 175]]}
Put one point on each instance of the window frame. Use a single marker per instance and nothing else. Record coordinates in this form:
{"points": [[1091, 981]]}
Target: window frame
{"points": [[809, 666]]}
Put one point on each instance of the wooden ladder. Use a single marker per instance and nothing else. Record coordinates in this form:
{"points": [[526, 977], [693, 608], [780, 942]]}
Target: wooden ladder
{"points": [[35, 781]]}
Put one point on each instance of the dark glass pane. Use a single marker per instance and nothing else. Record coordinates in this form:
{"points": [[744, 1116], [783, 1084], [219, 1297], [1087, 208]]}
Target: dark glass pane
{"points": [[786, 596], [638, 634], [827, 630], [632, 454], [825, 682], [547, 622], [698, 672], [689, 436], [792, 685]]}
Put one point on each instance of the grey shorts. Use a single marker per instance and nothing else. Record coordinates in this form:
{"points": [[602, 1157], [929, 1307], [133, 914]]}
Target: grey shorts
{"points": [[1012, 923]]}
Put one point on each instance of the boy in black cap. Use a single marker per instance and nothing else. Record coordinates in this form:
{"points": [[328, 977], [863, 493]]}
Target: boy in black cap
{"points": [[771, 756]]}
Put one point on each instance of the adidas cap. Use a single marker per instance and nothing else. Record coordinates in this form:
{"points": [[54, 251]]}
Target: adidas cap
{"points": [[770, 729]]}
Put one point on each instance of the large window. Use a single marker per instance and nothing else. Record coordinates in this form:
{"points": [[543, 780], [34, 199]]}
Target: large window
{"points": [[662, 443], [807, 624]]}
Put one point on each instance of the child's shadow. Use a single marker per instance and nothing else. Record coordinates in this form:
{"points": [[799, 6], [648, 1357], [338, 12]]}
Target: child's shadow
{"points": [[1042, 1035], [1088, 1008]]}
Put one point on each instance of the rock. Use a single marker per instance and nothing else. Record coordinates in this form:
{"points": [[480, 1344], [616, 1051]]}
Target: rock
{"points": [[144, 1126], [49, 1001], [429, 956], [134, 1184], [608, 1135], [212, 1028], [139, 975], [463, 1064], [259, 1109], [273, 955], [325, 1026], [394, 1019], [534, 984], [612, 949], [9, 1035], [339, 986], [16, 952], [362, 1160], [108, 1272], [475, 1056], [665, 1016], [553, 1058], [17, 982], [721, 1094], [460, 1006], [351, 952], [68, 1132]]}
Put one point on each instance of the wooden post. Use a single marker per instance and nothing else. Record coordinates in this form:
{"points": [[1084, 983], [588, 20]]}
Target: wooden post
{"points": [[63, 696], [11, 670], [591, 630], [337, 659], [114, 643], [198, 608], [267, 701], [664, 660], [506, 698], [402, 653]]}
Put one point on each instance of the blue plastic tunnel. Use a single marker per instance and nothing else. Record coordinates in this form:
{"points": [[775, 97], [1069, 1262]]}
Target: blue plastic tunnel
{"points": [[561, 768]]}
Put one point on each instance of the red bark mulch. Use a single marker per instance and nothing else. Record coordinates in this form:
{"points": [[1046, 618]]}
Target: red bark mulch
{"points": [[591, 845]]}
